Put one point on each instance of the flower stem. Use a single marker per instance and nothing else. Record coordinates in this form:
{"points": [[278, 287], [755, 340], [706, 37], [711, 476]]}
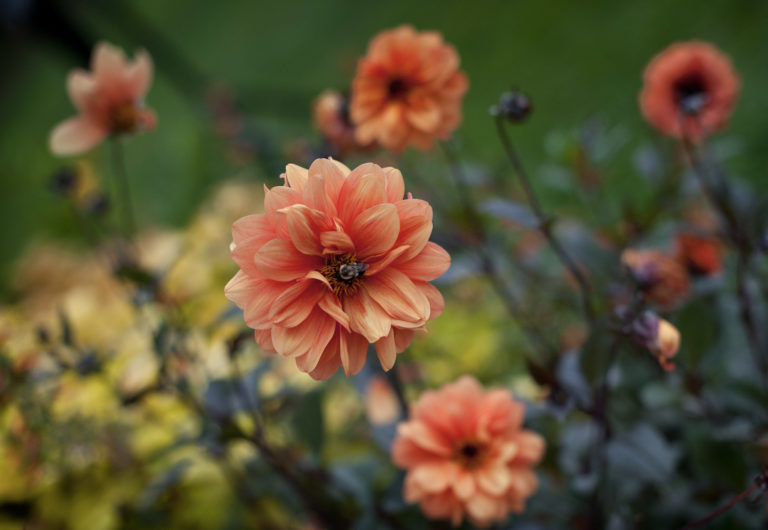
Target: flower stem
{"points": [[121, 175], [394, 380], [740, 497], [545, 224], [491, 269]]}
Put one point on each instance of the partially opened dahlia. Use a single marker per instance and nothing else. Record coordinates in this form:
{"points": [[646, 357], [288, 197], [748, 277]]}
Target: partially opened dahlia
{"points": [[337, 260], [466, 454], [109, 100]]}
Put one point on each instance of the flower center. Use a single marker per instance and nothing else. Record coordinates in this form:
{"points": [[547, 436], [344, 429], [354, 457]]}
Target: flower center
{"points": [[691, 94], [124, 118], [344, 273], [469, 454], [397, 88]]}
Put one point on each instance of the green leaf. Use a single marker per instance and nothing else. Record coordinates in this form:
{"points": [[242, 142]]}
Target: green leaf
{"points": [[308, 420]]}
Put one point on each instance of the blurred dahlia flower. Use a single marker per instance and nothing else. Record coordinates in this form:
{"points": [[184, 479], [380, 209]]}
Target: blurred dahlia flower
{"points": [[466, 454], [337, 260], [109, 99], [662, 279], [701, 255], [690, 84], [407, 90]]}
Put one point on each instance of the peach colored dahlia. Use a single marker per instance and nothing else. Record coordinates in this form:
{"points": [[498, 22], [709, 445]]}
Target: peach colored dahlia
{"points": [[109, 100], [407, 90], [690, 84], [337, 260], [466, 454]]}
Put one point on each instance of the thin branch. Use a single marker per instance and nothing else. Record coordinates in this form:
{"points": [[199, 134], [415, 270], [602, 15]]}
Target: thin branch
{"points": [[740, 497], [545, 224]]}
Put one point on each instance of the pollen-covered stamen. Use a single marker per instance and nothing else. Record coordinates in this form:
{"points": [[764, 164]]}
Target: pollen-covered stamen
{"points": [[124, 118], [344, 273]]}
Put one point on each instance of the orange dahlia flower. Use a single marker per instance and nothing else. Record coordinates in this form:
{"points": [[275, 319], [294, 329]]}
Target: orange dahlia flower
{"points": [[661, 278], [701, 255], [337, 260], [407, 90], [109, 99], [466, 454], [690, 84]]}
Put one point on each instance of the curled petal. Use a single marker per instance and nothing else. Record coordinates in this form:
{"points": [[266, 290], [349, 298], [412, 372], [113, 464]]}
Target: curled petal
{"points": [[386, 351], [366, 317], [428, 265], [398, 296], [375, 230], [304, 226], [279, 260], [415, 226], [353, 349]]}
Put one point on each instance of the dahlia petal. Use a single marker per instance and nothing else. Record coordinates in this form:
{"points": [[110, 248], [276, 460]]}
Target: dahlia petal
{"points": [[375, 230], [310, 339], [366, 317], [436, 476], [252, 226], [107, 61], [425, 437], [464, 485], [139, 75], [75, 136], [304, 226], [353, 349], [296, 302], [329, 361], [481, 507], [277, 198], [398, 296], [362, 189], [415, 226], [147, 119], [239, 288], [493, 479], [406, 453], [429, 264], [435, 298], [279, 260], [424, 115], [403, 338], [386, 351], [395, 186], [80, 86], [390, 257], [263, 338], [333, 177], [296, 176], [331, 305], [335, 242], [531, 447], [393, 131], [523, 481]]}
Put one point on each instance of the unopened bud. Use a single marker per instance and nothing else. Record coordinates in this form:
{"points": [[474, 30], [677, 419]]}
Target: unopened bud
{"points": [[513, 105]]}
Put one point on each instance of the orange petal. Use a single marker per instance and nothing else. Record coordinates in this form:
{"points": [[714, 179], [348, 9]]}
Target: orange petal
{"points": [[391, 256], [295, 176], [81, 87], [362, 189], [335, 242], [386, 351], [295, 303], [310, 338], [415, 225], [276, 199], [395, 186], [329, 361], [353, 350], [279, 260], [139, 75], [366, 317], [429, 264], [331, 305], [436, 301], [304, 227], [75, 136], [375, 230], [398, 296]]}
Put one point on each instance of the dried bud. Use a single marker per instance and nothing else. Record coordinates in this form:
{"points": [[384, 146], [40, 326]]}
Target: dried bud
{"points": [[513, 105], [660, 337], [666, 345]]}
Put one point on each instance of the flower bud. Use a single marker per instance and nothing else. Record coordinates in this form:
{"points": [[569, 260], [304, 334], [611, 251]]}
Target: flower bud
{"points": [[513, 105]]}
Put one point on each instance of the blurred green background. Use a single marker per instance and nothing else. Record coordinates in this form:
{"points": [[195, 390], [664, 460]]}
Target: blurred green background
{"points": [[577, 60]]}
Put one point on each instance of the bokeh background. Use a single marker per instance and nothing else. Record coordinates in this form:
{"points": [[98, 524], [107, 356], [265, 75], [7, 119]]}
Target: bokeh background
{"points": [[579, 61]]}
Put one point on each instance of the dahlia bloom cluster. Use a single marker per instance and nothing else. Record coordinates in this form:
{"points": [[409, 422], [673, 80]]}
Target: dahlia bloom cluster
{"points": [[466, 453], [339, 259], [109, 100]]}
